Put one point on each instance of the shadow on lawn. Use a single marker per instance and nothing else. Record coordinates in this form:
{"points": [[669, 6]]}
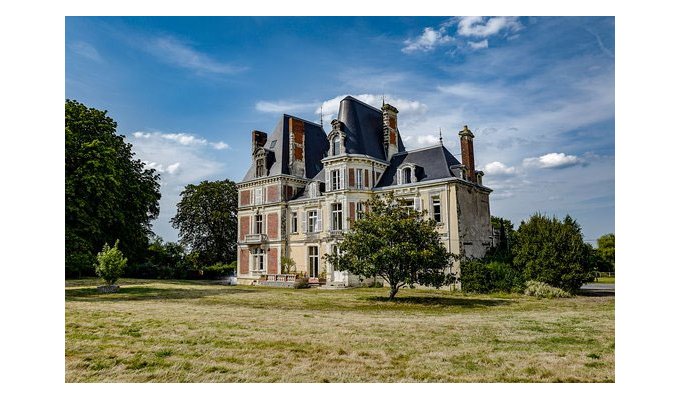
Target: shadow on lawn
{"points": [[134, 293], [441, 301]]}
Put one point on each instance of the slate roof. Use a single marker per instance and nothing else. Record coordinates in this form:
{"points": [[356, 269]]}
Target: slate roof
{"points": [[316, 146], [363, 128], [434, 162]]}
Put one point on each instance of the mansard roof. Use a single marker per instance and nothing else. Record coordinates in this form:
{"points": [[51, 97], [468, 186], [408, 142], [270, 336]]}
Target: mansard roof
{"points": [[363, 128], [316, 145], [432, 163]]}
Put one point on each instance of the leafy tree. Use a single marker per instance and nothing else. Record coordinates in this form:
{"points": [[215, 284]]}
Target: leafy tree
{"points": [[502, 250], [553, 251], [605, 251], [110, 263], [109, 194], [206, 219], [396, 243], [164, 260]]}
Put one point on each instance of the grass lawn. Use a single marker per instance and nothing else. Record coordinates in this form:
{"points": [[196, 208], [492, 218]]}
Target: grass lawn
{"points": [[605, 279], [181, 331]]}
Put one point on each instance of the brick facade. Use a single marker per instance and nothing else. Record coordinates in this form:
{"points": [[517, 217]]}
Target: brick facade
{"points": [[243, 262], [273, 226], [273, 261], [273, 194], [244, 198], [245, 227]]}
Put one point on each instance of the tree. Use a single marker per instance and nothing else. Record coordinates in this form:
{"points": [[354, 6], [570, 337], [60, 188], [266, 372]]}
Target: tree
{"points": [[206, 219], [396, 243], [109, 194], [605, 251], [553, 252], [110, 263], [502, 249]]}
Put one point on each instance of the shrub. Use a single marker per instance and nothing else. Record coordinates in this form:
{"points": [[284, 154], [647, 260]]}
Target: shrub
{"points": [[475, 277], [111, 263], [543, 290], [505, 278], [287, 265], [301, 283], [219, 270]]}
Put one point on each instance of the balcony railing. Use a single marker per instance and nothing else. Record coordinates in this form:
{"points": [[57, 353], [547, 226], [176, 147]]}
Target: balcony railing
{"points": [[254, 238]]}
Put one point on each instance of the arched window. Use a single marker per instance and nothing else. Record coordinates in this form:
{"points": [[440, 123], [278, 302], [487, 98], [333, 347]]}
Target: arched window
{"points": [[407, 175], [336, 145]]}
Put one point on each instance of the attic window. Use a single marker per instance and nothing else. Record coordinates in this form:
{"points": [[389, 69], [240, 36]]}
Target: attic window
{"points": [[406, 174], [259, 167], [336, 145], [271, 146]]}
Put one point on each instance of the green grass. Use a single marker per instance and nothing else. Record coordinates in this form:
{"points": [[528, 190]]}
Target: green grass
{"points": [[605, 279], [188, 331]]}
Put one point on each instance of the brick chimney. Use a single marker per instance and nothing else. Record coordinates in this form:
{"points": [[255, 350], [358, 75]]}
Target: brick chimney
{"points": [[259, 139], [389, 129], [468, 153]]}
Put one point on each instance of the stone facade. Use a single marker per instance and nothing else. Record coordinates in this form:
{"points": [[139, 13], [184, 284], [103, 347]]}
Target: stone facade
{"points": [[299, 208]]}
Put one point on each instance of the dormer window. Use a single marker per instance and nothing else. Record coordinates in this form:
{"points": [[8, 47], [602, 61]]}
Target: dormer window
{"points": [[336, 146], [259, 167], [406, 174]]}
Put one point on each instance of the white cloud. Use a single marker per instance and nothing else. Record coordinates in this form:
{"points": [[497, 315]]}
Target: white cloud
{"points": [[421, 140], [141, 134], [552, 160], [330, 107], [278, 107], [498, 168], [484, 27], [479, 45], [220, 145], [170, 169], [184, 139], [86, 50], [428, 40], [172, 51], [173, 168]]}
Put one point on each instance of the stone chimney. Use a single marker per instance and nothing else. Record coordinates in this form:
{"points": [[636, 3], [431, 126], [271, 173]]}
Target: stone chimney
{"points": [[468, 154], [259, 139], [389, 130]]}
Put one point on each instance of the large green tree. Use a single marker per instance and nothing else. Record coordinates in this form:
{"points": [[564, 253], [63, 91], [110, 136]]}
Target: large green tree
{"points": [[396, 243], [553, 251], [206, 219], [109, 194], [605, 252]]}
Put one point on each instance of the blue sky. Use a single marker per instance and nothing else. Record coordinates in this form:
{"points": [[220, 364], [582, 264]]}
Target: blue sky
{"points": [[537, 92]]}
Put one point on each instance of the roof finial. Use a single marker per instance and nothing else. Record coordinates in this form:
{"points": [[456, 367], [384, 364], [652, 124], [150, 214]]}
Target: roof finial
{"points": [[383, 97], [440, 135], [322, 115]]}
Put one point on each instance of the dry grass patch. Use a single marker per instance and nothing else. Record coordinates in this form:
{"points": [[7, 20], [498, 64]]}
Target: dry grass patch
{"points": [[175, 331]]}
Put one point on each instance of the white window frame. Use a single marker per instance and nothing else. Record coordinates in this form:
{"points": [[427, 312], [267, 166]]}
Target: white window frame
{"points": [[313, 261], [258, 196], [359, 210], [258, 260], [258, 226], [294, 222], [359, 178], [436, 201], [312, 221], [336, 217]]}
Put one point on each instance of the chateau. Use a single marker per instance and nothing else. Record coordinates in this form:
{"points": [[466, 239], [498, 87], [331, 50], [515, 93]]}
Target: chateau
{"points": [[305, 188]]}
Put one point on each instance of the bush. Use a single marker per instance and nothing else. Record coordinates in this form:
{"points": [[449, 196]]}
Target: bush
{"points": [[219, 270], [111, 263], [481, 276], [301, 283], [543, 290]]}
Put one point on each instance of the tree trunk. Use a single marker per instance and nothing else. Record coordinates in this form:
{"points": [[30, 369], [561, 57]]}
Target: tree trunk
{"points": [[393, 291]]}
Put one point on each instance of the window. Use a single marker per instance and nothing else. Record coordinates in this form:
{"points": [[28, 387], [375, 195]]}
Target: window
{"points": [[258, 223], [407, 175], [336, 220], [313, 253], [258, 259], [293, 223], [409, 203], [436, 209], [271, 146], [336, 145], [312, 221], [360, 210], [335, 179], [258, 195], [360, 178], [259, 167]]}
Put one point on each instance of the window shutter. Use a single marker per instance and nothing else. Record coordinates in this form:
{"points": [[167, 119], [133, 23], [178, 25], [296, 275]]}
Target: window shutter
{"points": [[342, 172], [399, 173], [258, 196], [416, 203], [367, 184], [319, 221], [328, 181], [305, 217]]}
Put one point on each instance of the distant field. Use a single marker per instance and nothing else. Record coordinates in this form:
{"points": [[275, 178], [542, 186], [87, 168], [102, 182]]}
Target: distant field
{"points": [[180, 331]]}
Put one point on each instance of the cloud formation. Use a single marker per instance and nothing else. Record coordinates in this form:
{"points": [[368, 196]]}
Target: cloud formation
{"points": [[553, 161], [428, 40], [498, 168], [184, 139], [483, 27], [172, 51], [278, 107], [85, 50]]}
